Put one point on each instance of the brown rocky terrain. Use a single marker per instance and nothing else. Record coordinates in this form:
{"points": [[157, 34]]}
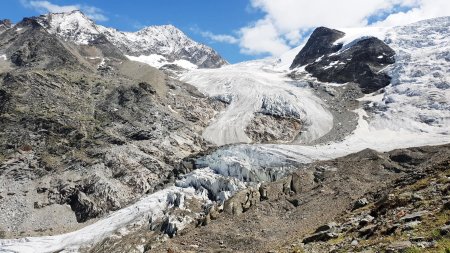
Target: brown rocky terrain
{"points": [[85, 131], [271, 129], [377, 201]]}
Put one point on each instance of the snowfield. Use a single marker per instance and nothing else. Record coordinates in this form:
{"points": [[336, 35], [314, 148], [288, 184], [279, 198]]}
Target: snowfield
{"points": [[413, 111]]}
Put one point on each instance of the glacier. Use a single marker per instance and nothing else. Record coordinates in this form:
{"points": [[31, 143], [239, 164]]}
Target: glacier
{"points": [[253, 87], [414, 110]]}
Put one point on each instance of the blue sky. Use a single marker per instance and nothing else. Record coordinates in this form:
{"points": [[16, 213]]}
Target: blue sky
{"points": [[239, 29]]}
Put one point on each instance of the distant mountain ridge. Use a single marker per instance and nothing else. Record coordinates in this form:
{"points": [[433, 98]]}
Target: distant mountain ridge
{"points": [[166, 40]]}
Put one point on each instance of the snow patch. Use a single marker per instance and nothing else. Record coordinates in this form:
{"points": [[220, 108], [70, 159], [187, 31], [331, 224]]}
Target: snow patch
{"points": [[354, 34], [154, 60], [157, 61], [331, 65]]}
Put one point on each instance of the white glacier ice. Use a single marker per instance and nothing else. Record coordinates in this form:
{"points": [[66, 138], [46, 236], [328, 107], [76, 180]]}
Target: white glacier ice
{"points": [[150, 207], [254, 87]]}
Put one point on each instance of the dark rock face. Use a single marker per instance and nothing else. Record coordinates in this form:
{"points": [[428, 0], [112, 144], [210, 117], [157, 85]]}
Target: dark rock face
{"points": [[320, 43], [360, 63], [4, 97]]}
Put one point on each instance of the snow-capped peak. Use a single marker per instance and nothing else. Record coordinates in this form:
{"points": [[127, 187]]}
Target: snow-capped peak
{"points": [[165, 40], [72, 26]]}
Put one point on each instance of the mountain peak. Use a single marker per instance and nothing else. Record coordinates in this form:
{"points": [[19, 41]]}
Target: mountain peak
{"points": [[66, 17], [75, 13], [5, 24], [164, 40], [72, 26]]}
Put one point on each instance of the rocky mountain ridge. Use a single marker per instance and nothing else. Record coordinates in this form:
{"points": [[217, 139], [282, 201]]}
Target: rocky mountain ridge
{"points": [[165, 40], [5, 25]]}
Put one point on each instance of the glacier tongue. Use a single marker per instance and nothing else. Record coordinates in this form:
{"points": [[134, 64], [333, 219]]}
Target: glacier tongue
{"points": [[147, 209], [254, 88], [206, 184]]}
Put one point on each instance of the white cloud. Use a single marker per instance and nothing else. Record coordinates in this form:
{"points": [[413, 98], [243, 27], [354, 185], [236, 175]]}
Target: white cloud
{"points": [[285, 21], [94, 13], [224, 38], [262, 37], [426, 9], [49, 7], [46, 6]]}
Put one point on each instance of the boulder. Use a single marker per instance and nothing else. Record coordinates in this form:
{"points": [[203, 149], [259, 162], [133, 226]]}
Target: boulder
{"points": [[367, 231], [417, 216], [445, 230], [330, 227], [275, 190], [399, 246], [360, 203], [242, 201], [320, 236]]}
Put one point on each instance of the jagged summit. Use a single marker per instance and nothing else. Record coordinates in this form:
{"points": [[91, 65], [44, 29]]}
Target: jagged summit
{"points": [[5, 24], [72, 26], [165, 40]]}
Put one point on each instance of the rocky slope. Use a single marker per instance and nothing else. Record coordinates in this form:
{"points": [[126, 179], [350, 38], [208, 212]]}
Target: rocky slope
{"points": [[291, 214], [167, 43], [410, 216], [84, 130]]}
